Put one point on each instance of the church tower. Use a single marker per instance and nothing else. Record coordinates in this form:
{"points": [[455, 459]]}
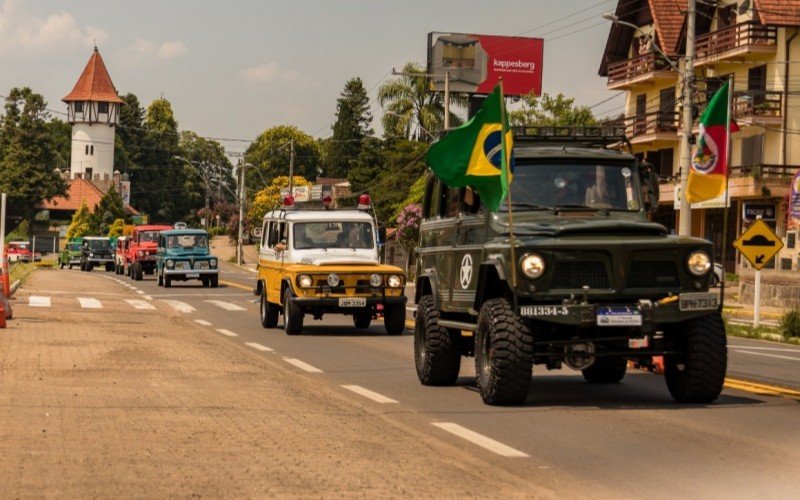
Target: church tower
{"points": [[93, 111]]}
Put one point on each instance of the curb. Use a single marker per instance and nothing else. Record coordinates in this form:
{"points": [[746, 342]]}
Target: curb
{"points": [[14, 286]]}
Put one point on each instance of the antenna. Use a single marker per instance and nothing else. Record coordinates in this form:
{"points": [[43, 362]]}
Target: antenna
{"points": [[743, 7]]}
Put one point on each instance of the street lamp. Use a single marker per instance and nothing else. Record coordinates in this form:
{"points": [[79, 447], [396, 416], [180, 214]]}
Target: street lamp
{"points": [[685, 220]]}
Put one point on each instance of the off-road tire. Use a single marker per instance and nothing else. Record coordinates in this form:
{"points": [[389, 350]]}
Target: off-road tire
{"points": [[138, 272], [607, 370], [362, 319], [61, 265], [167, 282], [292, 315], [205, 281], [698, 373], [109, 268], [70, 267], [503, 354], [394, 318], [160, 279], [436, 354], [269, 312], [214, 281]]}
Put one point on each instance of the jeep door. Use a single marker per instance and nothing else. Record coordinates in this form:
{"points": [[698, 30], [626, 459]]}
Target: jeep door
{"points": [[437, 237], [468, 252], [272, 258]]}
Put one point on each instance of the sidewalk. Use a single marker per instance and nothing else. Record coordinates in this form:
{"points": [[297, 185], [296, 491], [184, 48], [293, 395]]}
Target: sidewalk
{"points": [[226, 252]]}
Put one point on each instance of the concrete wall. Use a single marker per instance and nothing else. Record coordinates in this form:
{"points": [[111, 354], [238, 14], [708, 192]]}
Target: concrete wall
{"points": [[778, 288]]}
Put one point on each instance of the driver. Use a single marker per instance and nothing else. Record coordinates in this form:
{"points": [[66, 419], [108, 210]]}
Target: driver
{"points": [[599, 195]]}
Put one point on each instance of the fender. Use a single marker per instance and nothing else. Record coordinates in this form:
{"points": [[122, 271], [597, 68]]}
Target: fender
{"points": [[492, 282], [427, 283]]}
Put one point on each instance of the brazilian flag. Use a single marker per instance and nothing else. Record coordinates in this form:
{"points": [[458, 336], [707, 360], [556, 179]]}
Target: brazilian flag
{"points": [[475, 154]]}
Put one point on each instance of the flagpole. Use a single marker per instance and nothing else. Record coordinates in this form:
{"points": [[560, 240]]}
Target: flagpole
{"points": [[505, 161], [725, 208]]}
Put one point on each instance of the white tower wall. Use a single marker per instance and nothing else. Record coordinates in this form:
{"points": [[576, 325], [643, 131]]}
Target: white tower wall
{"points": [[92, 148]]}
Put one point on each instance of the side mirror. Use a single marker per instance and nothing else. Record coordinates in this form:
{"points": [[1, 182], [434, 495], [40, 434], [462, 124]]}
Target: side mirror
{"points": [[650, 188], [381, 235]]}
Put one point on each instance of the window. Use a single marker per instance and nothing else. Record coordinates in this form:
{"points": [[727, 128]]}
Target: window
{"points": [[667, 118], [91, 149], [791, 239], [470, 201], [432, 198], [757, 84], [450, 201], [753, 150], [88, 175], [277, 233], [79, 107], [102, 107], [87, 149], [640, 121]]}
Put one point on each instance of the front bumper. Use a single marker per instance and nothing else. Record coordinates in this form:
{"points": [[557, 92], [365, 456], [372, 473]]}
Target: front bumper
{"points": [[331, 304], [185, 272], [99, 262]]}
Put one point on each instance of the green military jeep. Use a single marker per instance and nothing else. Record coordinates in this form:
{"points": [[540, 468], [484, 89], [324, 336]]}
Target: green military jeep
{"points": [[71, 254], [579, 277]]}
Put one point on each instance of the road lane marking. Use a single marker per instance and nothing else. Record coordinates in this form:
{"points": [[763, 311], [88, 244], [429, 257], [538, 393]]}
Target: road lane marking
{"points": [[752, 348], [378, 398], [756, 388], [38, 301], [302, 365], [202, 322], [236, 285], [768, 355], [140, 304], [227, 333], [90, 303], [180, 306], [226, 305], [258, 347], [481, 440]]}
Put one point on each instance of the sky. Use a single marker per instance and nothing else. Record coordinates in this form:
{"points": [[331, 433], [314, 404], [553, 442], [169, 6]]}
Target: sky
{"points": [[233, 69]]}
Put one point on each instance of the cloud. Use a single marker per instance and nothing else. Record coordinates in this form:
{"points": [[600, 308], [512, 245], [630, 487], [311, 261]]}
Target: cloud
{"points": [[26, 34], [273, 73], [143, 50]]}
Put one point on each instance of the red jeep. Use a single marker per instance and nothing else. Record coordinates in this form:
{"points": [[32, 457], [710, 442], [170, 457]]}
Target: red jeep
{"points": [[140, 257]]}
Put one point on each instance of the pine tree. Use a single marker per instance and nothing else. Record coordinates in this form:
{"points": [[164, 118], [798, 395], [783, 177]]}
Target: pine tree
{"points": [[353, 119], [81, 222], [109, 209]]}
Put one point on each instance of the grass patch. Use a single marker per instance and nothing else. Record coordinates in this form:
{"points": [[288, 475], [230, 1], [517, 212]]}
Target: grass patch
{"points": [[760, 333], [21, 271]]}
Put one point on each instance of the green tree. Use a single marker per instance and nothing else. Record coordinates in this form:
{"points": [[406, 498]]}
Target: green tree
{"points": [[558, 111], [404, 160], [116, 228], [208, 171], [269, 198], [368, 166], [27, 155], [412, 111], [108, 209], [130, 134], [352, 126], [81, 222], [61, 140], [269, 154]]}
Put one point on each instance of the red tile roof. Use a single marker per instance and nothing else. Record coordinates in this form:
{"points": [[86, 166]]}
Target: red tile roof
{"points": [[668, 19], [94, 83], [779, 12], [79, 190]]}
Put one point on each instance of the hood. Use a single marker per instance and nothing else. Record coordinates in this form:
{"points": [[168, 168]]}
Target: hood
{"points": [[559, 226], [190, 252], [361, 260]]}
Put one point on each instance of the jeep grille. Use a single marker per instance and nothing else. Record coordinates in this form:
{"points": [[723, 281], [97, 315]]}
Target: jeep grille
{"points": [[653, 274], [570, 275]]}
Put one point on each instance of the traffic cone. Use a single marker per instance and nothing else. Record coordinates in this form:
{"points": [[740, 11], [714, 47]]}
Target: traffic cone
{"points": [[3, 311], [6, 278]]}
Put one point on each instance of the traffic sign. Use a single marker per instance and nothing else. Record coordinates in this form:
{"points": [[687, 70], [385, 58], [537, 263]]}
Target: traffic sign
{"points": [[759, 244]]}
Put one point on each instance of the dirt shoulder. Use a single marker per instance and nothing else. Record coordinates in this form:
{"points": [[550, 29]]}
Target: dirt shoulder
{"points": [[116, 402]]}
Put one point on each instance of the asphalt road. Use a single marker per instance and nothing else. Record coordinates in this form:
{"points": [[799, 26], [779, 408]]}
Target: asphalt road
{"points": [[629, 439]]}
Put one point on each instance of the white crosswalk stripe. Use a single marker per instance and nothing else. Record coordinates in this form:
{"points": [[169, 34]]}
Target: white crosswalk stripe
{"points": [[90, 303], [38, 301], [140, 304], [226, 305], [180, 306]]}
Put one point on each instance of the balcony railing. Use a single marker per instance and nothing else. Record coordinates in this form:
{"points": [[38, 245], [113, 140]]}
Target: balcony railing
{"points": [[714, 45], [652, 123], [764, 171], [757, 104], [628, 69]]}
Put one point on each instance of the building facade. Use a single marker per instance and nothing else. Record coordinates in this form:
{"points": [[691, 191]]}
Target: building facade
{"points": [[756, 44]]}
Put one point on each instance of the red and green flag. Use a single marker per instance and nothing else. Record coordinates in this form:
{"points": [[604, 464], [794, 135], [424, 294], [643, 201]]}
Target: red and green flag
{"points": [[478, 153], [709, 173]]}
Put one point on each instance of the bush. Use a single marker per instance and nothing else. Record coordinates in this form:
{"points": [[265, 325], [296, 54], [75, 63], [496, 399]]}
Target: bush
{"points": [[216, 231], [790, 324]]}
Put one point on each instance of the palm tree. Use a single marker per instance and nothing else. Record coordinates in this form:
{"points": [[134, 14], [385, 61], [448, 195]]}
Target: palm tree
{"points": [[413, 111]]}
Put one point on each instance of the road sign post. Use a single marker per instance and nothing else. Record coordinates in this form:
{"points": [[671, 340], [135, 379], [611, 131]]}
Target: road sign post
{"points": [[759, 244]]}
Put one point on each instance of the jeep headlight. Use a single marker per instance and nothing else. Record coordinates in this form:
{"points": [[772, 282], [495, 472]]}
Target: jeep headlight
{"points": [[333, 279], [170, 263], [213, 263], [304, 281], [394, 281], [376, 280], [532, 265], [698, 263]]}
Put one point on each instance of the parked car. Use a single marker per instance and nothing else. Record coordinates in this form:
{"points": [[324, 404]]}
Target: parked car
{"points": [[19, 251], [96, 251], [71, 255], [183, 255], [719, 274]]}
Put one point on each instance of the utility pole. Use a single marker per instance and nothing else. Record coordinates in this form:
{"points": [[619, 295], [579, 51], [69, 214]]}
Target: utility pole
{"points": [[291, 168], [240, 241], [685, 221], [208, 195]]}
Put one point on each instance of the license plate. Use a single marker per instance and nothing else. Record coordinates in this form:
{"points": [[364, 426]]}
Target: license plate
{"points": [[698, 301], [619, 316], [352, 302], [192, 275], [533, 311]]}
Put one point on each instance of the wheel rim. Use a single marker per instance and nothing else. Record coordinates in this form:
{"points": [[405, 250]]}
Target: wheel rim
{"points": [[486, 362], [263, 307]]}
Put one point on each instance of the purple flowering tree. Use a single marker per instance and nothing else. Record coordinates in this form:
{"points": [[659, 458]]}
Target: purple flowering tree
{"points": [[408, 229]]}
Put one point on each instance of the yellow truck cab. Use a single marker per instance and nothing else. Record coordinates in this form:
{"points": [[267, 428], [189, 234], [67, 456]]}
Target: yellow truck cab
{"points": [[325, 261]]}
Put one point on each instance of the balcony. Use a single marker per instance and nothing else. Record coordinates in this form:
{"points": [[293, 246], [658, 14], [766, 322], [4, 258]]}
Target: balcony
{"points": [[738, 42], [656, 126], [645, 69], [745, 181], [758, 106]]}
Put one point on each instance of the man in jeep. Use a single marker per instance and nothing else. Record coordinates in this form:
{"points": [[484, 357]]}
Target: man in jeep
{"points": [[582, 278]]}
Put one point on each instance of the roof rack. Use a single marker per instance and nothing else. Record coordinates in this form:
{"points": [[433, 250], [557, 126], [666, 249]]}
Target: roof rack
{"points": [[601, 136]]}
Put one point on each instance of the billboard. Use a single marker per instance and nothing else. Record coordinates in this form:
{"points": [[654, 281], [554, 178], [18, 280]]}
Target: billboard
{"points": [[476, 63]]}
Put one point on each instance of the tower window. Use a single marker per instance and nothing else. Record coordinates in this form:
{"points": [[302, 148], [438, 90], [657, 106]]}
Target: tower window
{"points": [[79, 107], [102, 107], [91, 149], [87, 149]]}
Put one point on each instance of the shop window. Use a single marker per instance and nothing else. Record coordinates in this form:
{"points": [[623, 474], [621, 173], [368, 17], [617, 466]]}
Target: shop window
{"points": [[786, 264], [790, 239]]}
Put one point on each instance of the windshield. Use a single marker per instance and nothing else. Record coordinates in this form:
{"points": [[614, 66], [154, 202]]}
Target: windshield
{"points": [[98, 244], [333, 235], [187, 241], [575, 185], [148, 236], [75, 247], [19, 246]]}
